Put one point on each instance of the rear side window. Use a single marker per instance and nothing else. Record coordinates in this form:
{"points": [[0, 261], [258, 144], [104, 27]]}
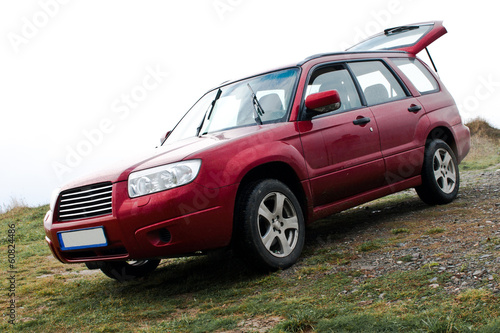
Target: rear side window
{"points": [[377, 82], [418, 74]]}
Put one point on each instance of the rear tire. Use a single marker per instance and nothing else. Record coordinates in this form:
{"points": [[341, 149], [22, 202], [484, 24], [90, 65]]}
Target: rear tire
{"points": [[128, 270], [440, 175], [269, 228]]}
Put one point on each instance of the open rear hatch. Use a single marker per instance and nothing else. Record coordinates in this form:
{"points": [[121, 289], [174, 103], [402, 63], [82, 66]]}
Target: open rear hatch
{"points": [[411, 38]]}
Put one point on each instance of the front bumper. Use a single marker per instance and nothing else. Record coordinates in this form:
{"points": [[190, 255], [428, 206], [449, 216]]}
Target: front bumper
{"points": [[175, 222]]}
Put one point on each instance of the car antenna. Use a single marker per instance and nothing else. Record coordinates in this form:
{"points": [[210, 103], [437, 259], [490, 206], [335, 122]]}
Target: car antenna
{"points": [[432, 62]]}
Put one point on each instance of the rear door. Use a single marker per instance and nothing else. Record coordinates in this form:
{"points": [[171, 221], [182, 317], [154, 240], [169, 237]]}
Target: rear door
{"points": [[399, 117], [411, 38]]}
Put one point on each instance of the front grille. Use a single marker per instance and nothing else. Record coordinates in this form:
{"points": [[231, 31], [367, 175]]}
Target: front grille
{"points": [[84, 202]]}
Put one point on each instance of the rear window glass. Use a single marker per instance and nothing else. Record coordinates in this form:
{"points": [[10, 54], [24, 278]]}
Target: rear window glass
{"points": [[418, 74], [377, 83], [394, 38]]}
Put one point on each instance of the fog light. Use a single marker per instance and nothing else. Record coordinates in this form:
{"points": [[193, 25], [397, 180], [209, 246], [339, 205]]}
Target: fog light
{"points": [[165, 235]]}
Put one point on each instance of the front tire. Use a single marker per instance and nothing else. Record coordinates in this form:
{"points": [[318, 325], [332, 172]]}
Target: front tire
{"points": [[440, 175], [128, 270], [270, 229]]}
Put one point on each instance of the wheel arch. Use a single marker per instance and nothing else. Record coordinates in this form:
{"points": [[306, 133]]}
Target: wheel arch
{"points": [[445, 134], [280, 171]]}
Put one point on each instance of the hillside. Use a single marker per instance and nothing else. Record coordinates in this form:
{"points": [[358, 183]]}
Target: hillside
{"points": [[485, 151], [393, 265], [480, 127]]}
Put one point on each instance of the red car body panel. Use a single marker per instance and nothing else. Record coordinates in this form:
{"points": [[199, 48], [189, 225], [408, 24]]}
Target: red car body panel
{"points": [[336, 164], [437, 31], [342, 159]]}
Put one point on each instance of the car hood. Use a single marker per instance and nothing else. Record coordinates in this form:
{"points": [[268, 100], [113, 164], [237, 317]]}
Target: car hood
{"points": [[168, 153]]}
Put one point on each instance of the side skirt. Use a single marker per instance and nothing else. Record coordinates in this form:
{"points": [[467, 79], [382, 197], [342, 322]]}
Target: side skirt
{"points": [[338, 206]]}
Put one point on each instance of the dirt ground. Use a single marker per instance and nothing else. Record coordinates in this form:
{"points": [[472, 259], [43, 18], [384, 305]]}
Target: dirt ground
{"points": [[461, 238]]}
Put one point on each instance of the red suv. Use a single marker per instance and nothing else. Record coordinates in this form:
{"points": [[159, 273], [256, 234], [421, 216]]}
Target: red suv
{"points": [[257, 159]]}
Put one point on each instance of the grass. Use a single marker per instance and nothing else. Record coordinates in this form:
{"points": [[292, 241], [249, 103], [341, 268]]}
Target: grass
{"points": [[323, 292], [436, 230], [371, 245], [14, 202], [400, 231], [485, 141], [481, 128]]}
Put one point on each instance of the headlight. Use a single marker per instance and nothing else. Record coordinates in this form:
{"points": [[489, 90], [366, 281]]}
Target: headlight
{"points": [[162, 178], [53, 198]]}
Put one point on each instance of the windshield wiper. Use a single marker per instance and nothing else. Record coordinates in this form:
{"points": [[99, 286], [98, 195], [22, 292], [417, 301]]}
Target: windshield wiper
{"points": [[209, 111], [257, 108], [397, 30]]}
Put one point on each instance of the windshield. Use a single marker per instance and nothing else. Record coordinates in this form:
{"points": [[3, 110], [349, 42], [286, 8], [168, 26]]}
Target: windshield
{"points": [[234, 105]]}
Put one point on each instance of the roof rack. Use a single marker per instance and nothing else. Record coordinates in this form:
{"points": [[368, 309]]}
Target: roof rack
{"points": [[343, 53]]}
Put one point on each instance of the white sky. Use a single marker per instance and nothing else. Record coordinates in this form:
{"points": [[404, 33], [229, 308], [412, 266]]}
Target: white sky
{"points": [[108, 78]]}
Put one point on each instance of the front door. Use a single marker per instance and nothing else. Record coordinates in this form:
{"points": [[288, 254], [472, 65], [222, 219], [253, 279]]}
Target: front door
{"points": [[341, 148]]}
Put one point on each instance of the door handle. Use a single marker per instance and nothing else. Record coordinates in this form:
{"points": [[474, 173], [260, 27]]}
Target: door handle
{"points": [[361, 121], [414, 108]]}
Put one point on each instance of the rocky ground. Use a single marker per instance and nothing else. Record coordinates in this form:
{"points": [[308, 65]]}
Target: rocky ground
{"points": [[461, 239]]}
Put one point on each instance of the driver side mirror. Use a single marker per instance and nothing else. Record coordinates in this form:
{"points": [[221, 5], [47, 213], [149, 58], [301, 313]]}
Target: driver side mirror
{"points": [[323, 102]]}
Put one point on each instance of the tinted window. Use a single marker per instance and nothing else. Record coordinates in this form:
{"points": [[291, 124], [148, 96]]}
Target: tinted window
{"points": [[418, 74], [378, 83], [335, 78]]}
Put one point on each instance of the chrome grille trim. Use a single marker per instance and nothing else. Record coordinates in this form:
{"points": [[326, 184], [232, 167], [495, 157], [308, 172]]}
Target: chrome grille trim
{"points": [[84, 202], [80, 203], [84, 197]]}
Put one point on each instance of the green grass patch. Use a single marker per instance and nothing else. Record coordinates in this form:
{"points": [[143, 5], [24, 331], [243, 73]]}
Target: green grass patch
{"points": [[431, 265], [407, 258], [400, 231], [436, 230], [371, 245]]}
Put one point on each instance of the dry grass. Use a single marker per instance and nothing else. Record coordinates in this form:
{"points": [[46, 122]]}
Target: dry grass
{"points": [[480, 127], [485, 146], [14, 203]]}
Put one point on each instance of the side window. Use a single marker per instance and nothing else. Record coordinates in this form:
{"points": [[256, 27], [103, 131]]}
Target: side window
{"points": [[378, 84], [418, 74], [335, 77]]}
